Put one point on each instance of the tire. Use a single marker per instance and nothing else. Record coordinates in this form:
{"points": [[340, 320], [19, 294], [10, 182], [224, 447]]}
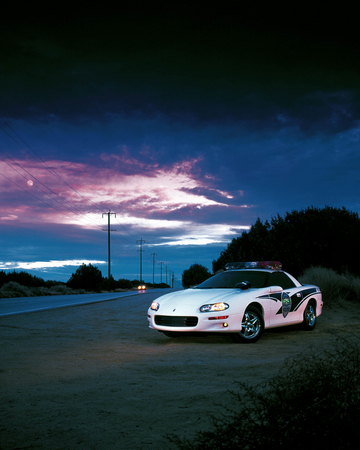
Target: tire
{"points": [[309, 316], [252, 326]]}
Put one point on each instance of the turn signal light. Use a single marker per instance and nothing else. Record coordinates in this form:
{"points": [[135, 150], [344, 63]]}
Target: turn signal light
{"points": [[218, 318]]}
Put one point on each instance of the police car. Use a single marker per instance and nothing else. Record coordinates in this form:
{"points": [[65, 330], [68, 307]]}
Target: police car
{"points": [[243, 300]]}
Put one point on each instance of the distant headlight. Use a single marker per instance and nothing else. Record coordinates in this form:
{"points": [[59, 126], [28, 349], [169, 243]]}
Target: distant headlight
{"points": [[155, 306], [214, 307]]}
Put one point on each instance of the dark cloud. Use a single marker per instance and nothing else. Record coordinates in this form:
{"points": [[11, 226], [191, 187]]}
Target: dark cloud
{"points": [[257, 106], [189, 68]]}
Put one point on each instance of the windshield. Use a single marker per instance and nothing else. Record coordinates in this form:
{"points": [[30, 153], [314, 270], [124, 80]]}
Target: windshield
{"points": [[258, 279]]}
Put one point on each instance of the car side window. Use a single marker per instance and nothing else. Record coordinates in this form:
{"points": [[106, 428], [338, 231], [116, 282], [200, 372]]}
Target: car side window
{"points": [[281, 279]]}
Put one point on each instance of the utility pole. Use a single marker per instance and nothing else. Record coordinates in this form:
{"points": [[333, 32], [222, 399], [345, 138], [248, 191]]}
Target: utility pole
{"points": [[161, 266], [141, 242], [153, 255], [108, 230]]}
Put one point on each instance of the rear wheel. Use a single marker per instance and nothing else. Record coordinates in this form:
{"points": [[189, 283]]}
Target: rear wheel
{"points": [[252, 326], [309, 316]]}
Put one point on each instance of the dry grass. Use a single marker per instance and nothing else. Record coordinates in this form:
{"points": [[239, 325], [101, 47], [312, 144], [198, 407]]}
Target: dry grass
{"points": [[335, 287], [13, 290]]}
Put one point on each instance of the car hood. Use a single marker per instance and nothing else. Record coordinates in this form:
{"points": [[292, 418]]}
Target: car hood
{"points": [[183, 302]]}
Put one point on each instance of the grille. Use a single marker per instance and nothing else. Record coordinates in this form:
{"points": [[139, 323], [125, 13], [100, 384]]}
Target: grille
{"points": [[176, 321]]}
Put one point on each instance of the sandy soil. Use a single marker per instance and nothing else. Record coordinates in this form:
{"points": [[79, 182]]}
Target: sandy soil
{"points": [[95, 377]]}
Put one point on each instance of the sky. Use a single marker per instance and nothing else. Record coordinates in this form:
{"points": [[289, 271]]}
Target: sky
{"points": [[186, 123]]}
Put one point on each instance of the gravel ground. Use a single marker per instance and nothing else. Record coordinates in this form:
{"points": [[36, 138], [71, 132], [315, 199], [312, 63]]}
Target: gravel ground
{"points": [[95, 377]]}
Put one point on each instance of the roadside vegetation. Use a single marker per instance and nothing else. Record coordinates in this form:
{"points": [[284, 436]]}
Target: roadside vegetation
{"points": [[317, 246], [335, 287], [312, 403], [87, 278]]}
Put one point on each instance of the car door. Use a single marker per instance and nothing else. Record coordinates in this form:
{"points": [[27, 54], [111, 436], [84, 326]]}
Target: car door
{"points": [[283, 306]]}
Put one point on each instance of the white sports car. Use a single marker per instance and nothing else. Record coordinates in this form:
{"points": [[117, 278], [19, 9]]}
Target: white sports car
{"points": [[243, 300]]}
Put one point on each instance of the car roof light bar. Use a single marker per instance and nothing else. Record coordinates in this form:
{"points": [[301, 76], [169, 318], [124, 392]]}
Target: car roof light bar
{"points": [[273, 265]]}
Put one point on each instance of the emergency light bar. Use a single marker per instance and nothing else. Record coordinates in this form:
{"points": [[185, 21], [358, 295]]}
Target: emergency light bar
{"points": [[273, 265]]}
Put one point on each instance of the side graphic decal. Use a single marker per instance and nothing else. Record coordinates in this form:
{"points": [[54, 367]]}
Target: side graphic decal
{"points": [[290, 303], [286, 304]]}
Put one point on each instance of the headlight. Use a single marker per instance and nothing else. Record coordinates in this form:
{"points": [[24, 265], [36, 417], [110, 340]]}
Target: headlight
{"points": [[155, 306], [214, 307]]}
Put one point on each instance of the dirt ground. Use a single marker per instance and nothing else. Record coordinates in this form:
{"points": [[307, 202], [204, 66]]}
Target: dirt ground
{"points": [[95, 377]]}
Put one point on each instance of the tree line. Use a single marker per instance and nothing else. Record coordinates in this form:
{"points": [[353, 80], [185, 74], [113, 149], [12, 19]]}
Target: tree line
{"points": [[326, 237], [87, 277]]}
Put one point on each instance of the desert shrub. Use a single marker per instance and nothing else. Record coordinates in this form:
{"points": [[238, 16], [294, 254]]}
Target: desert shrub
{"points": [[40, 291], [60, 289], [314, 402], [13, 289], [335, 287]]}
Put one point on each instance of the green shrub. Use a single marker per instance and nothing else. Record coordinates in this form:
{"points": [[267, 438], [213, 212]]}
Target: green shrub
{"points": [[314, 402]]}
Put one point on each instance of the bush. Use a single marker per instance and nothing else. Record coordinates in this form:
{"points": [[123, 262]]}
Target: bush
{"points": [[13, 289], [60, 289], [314, 402], [334, 287]]}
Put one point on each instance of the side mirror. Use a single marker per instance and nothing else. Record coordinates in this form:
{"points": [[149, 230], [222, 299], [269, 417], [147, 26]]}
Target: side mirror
{"points": [[244, 285], [273, 289]]}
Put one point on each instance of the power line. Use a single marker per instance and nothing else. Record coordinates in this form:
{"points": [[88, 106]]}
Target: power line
{"points": [[46, 190], [42, 162], [36, 186], [66, 204], [30, 193]]}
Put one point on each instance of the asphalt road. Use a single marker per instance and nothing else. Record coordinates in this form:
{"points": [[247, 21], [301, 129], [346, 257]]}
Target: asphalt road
{"points": [[21, 305]]}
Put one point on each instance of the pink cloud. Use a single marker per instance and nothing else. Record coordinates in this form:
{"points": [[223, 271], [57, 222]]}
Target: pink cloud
{"points": [[9, 218], [77, 193]]}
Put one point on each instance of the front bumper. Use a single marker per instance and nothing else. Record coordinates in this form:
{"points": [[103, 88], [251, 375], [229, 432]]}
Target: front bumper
{"points": [[204, 322]]}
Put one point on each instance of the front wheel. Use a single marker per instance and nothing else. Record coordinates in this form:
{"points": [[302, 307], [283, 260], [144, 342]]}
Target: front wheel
{"points": [[309, 317], [252, 326]]}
